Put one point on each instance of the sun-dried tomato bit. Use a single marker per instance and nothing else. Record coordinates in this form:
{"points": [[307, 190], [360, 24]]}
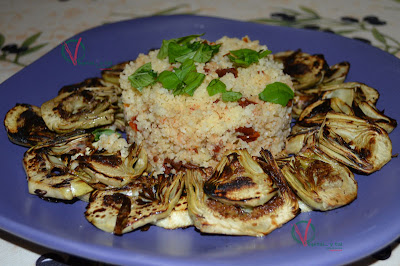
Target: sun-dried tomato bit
{"points": [[248, 134], [243, 102], [133, 125]]}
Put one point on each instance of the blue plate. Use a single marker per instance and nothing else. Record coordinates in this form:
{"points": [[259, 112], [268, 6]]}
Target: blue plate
{"points": [[336, 237]]}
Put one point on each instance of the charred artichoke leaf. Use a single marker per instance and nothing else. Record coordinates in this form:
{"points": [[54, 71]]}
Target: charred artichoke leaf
{"points": [[301, 101], [336, 73], [320, 182], [368, 111], [145, 200], [111, 169], [214, 217], [314, 114], [179, 216], [304, 138], [239, 180], [355, 142], [25, 126], [306, 70], [112, 74], [49, 177], [345, 95], [81, 109]]}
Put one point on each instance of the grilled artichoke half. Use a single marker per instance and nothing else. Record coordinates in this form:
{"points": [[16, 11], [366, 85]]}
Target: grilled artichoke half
{"points": [[104, 170], [49, 177], [215, 217], [356, 142], [179, 216], [83, 108], [112, 74], [239, 180], [25, 126], [319, 181], [145, 200]]}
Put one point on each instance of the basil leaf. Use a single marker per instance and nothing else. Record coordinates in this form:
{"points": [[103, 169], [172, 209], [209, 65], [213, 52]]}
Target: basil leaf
{"points": [[163, 53], [169, 80], [216, 86], [277, 92], [231, 96], [143, 76], [100, 131], [193, 80], [175, 51], [246, 57], [188, 39], [186, 67]]}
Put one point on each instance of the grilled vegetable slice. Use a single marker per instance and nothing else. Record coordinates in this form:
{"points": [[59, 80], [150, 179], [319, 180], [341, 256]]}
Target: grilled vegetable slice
{"points": [[239, 180], [25, 126], [320, 182], [179, 216], [368, 111], [83, 108], [112, 74], [213, 216], [336, 74], [357, 143], [111, 170], [306, 70], [49, 177], [145, 200]]}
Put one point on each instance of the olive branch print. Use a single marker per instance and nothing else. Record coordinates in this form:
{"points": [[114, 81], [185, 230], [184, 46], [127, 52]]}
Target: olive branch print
{"points": [[27, 47], [308, 18]]}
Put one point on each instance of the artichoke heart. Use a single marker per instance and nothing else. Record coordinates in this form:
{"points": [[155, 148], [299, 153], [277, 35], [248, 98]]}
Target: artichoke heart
{"points": [[319, 181], [145, 200], [355, 142], [215, 217], [49, 177], [112, 74], [179, 216], [239, 180], [306, 70], [111, 170], [25, 126], [83, 108]]}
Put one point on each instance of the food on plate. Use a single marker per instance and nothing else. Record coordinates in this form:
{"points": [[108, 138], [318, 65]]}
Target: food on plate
{"points": [[320, 182], [143, 201], [197, 116], [211, 215], [196, 126]]}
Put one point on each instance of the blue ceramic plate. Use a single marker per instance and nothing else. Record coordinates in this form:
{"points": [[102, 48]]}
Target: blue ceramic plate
{"points": [[340, 236]]}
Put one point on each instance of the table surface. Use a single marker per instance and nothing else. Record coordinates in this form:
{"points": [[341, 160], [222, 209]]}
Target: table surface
{"points": [[43, 24]]}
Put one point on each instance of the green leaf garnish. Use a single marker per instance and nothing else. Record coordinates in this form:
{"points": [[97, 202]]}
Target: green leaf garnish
{"points": [[185, 79], [100, 131], [180, 49], [276, 92], [231, 96], [143, 76], [246, 57], [216, 86]]}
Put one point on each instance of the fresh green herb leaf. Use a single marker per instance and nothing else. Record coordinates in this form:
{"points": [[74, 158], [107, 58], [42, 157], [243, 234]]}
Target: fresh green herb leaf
{"points": [[231, 96], [277, 92], [180, 49], [193, 80], [246, 57], [186, 67], [185, 79], [169, 80], [100, 131], [216, 86], [143, 76]]}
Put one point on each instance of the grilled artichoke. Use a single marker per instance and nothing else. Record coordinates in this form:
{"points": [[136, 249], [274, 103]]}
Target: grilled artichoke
{"points": [[49, 177], [357, 143], [239, 180], [179, 216], [145, 200], [110, 170], [319, 181], [213, 216], [83, 108], [25, 126], [112, 74]]}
